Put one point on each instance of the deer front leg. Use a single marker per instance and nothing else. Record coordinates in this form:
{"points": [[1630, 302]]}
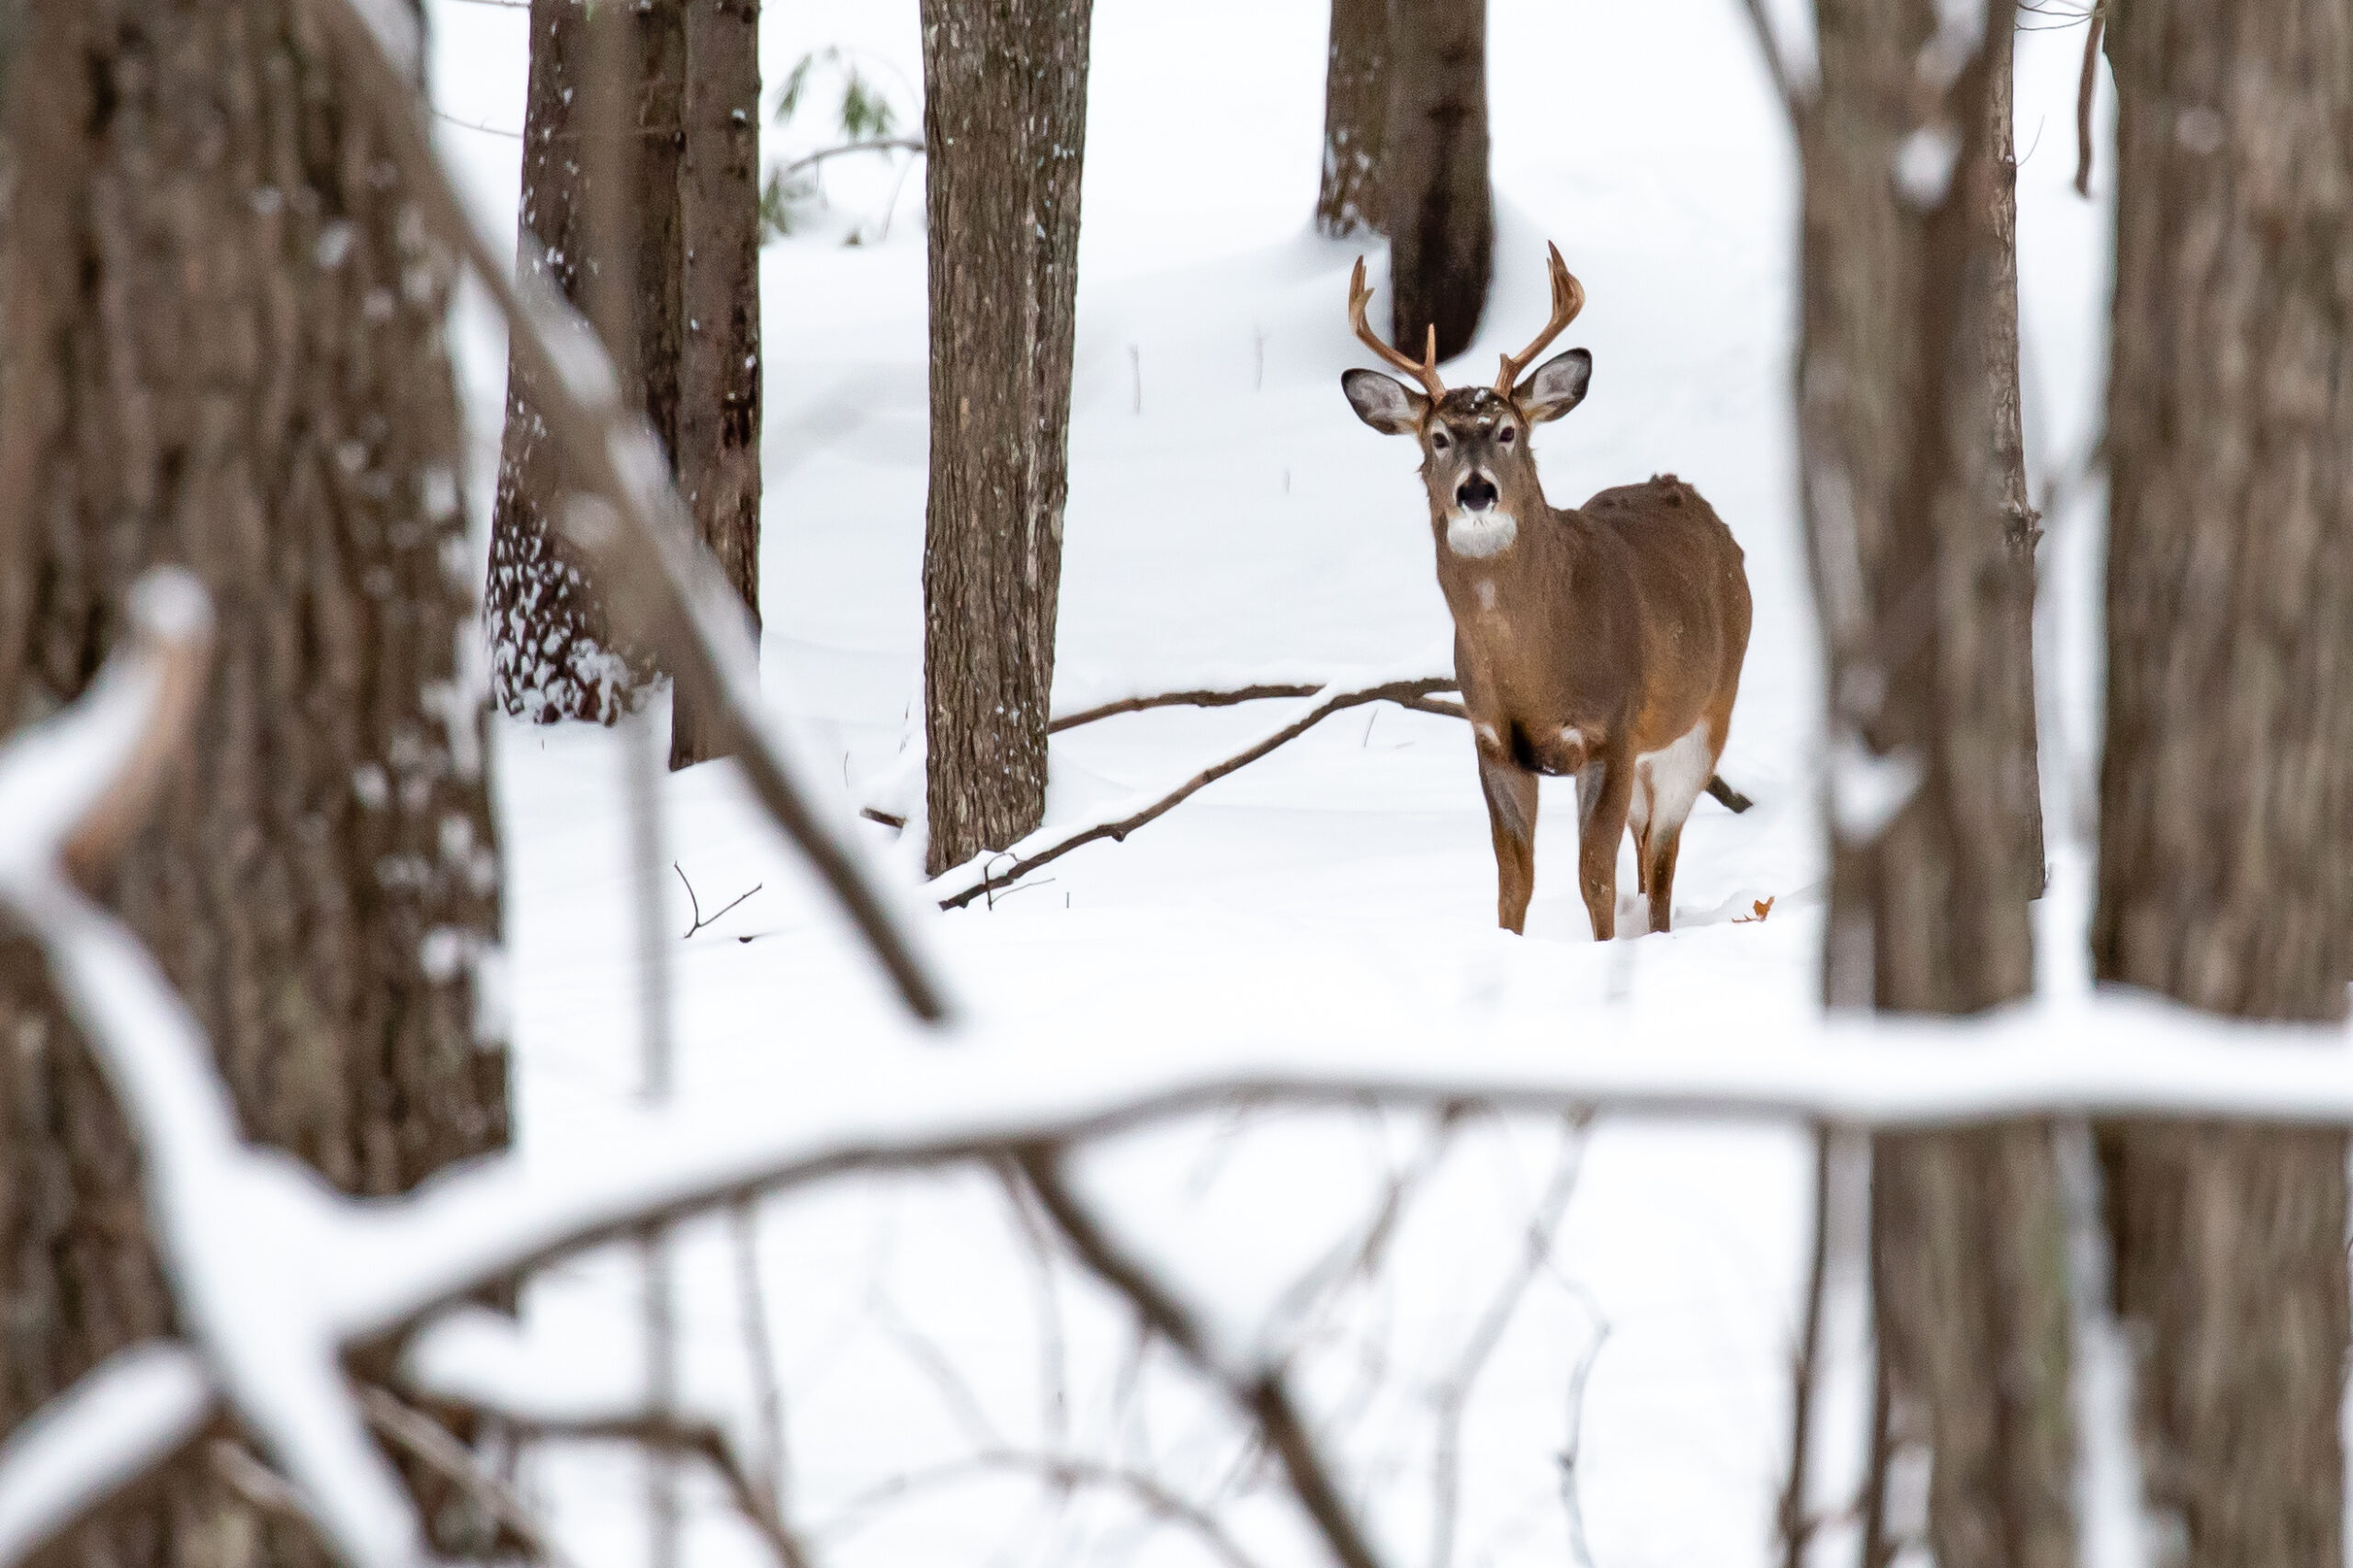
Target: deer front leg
{"points": [[1604, 790], [1511, 817]]}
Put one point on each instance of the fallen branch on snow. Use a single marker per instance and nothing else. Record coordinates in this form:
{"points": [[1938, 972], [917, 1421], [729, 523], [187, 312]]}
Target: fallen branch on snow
{"points": [[956, 888], [1232, 696], [961, 885], [1726, 796]]}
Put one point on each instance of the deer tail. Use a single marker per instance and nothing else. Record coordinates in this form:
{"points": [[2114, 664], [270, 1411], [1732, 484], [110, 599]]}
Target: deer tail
{"points": [[1733, 798]]}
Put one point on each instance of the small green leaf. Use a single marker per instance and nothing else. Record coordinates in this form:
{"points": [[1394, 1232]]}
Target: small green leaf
{"points": [[789, 103], [865, 114], [784, 204]]}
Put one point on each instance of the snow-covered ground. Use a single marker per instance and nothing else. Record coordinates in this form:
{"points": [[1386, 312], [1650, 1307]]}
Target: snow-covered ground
{"points": [[1227, 511]]}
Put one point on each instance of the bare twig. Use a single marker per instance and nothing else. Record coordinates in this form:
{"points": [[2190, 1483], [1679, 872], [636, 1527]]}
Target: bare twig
{"points": [[959, 888], [259, 1487], [1796, 1527], [955, 1392], [2084, 85], [823, 155], [1359, 1257], [891, 202], [242, 1471], [661, 586], [448, 118], [699, 923], [677, 1435], [1572, 1446], [1231, 696], [1195, 698], [1878, 1551], [1054, 1373], [759, 1351], [1422, 702], [431, 1443], [1262, 1394], [1768, 46], [1450, 1397], [1060, 1472]]}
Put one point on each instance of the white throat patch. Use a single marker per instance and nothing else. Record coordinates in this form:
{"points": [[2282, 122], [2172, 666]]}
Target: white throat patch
{"points": [[1481, 534]]}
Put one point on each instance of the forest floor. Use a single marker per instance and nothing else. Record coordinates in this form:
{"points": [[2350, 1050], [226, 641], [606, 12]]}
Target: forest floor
{"points": [[1227, 513]]}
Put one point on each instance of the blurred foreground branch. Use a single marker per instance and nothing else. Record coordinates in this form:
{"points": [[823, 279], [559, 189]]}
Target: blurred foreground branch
{"points": [[270, 1309], [980, 875], [1261, 1392]]}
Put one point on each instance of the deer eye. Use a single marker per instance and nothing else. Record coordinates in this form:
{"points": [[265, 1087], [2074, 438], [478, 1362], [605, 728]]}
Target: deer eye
{"points": [[1438, 441], [1506, 437]]}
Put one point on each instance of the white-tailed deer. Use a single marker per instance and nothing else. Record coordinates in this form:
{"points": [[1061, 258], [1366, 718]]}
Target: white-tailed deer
{"points": [[1602, 643]]}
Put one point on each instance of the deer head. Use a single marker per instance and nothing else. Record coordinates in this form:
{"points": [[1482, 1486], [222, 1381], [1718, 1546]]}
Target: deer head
{"points": [[1475, 456]]}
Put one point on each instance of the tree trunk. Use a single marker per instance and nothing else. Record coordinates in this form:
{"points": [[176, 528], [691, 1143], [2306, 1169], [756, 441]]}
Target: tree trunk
{"points": [[224, 349], [553, 654], [1907, 408], [1906, 398], [1005, 122], [2020, 522], [1356, 108], [2228, 774], [718, 449], [1434, 196]]}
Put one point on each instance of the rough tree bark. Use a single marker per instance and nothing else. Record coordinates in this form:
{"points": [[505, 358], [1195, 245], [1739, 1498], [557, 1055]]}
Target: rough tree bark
{"points": [[1356, 109], [1005, 122], [718, 449], [223, 349], [1924, 579], [1907, 407], [2223, 876], [1435, 198], [696, 348], [2022, 530], [554, 656]]}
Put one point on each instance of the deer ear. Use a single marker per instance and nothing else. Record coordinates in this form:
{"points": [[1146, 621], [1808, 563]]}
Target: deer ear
{"points": [[1557, 386], [1385, 404]]}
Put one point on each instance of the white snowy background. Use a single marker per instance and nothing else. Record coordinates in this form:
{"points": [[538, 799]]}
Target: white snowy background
{"points": [[1227, 513]]}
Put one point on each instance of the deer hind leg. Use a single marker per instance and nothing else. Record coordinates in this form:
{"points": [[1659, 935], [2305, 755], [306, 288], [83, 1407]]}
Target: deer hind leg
{"points": [[1675, 777], [1605, 793], [1511, 817], [1639, 821]]}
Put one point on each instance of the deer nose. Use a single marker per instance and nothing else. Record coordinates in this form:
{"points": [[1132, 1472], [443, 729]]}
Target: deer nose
{"points": [[1476, 493]]}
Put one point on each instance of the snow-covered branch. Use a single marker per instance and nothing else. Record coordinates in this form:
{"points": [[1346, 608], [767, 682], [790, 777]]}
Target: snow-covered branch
{"points": [[122, 1417], [381, 1265], [218, 1212]]}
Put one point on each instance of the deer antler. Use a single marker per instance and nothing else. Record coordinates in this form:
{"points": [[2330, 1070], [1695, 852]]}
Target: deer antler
{"points": [[1427, 371], [1568, 298]]}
